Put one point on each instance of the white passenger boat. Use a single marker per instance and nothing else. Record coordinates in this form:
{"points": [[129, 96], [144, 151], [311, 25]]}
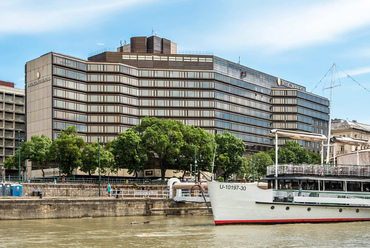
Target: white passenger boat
{"points": [[295, 193], [307, 193]]}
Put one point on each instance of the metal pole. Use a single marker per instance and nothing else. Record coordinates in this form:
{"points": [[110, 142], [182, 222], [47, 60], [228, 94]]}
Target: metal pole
{"points": [[276, 160], [195, 164], [19, 153], [253, 165], [330, 112], [99, 162], [213, 164]]}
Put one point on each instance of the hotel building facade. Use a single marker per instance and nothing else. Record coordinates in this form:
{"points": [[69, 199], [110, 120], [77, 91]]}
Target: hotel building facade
{"points": [[12, 123], [111, 91]]}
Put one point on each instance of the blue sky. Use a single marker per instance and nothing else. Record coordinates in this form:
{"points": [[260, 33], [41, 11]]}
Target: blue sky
{"points": [[295, 40]]}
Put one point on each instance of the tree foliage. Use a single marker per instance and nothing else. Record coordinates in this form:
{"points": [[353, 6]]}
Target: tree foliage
{"points": [[259, 161], [90, 158], [68, 149], [229, 155], [38, 151], [162, 138], [292, 152], [129, 152]]}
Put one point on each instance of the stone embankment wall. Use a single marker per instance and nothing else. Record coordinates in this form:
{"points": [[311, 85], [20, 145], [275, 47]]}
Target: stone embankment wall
{"points": [[36, 208]]}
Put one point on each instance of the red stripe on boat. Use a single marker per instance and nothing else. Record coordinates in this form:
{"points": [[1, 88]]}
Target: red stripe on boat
{"points": [[288, 221]]}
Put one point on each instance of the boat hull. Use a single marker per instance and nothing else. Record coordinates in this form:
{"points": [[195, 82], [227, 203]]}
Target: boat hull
{"points": [[239, 203]]}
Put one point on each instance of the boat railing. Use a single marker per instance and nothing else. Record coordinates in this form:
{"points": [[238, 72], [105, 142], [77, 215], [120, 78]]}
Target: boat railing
{"points": [[289, 195], [320, 170]]}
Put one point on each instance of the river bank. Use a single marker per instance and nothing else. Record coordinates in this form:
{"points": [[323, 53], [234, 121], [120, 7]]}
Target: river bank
{"points": [[54, 208]]}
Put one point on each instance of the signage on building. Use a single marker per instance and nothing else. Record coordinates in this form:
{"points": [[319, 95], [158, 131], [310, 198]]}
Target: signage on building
{"points": [[243, 74], [282, 82], [39, 81]]}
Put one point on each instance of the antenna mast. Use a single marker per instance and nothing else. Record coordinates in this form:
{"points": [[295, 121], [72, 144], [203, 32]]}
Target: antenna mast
{"points": [[330, 112]]}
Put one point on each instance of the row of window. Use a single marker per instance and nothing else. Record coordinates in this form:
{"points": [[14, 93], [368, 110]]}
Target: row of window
{"points": [[69, 73], [70, 105], [284, 125], [242, 128], [313, 98], [242, 110], [240, 92], [248, 137], [277, 117], [284, 92], [113, 68], [242, 101], [95, 67], [113, 88], [12, 125], [313, 113], [176, 74], [238, 118], [70, 63], [176, 83], [70, 95], [305, 127], [69, 84], [11, 107], [284, 101], [12, 116], [314, 106], [177, 103], [243, 84], [11, 98], [177, 93], [168, 58], [114, 119], [70, 116], [63, 125]]}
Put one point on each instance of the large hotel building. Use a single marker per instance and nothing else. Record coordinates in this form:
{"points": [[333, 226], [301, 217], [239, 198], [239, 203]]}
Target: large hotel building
{"points": [[12, 123], [113, 90]]}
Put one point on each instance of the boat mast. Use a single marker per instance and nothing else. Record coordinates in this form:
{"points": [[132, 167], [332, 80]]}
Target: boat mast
{"points": [[330, 112]]}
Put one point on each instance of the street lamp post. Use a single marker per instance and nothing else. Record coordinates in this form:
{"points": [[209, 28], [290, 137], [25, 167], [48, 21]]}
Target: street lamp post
{"points": [[19, 156], [99, 162], [253, 165], [195, 164]]}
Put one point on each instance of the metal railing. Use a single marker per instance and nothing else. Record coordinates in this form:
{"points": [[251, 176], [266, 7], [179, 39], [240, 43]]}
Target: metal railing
{"points": [[320, 170], [87, 180], [139, 193], [326, 194]]}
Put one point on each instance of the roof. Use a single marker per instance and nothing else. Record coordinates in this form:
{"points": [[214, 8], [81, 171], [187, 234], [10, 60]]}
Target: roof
{"points": [[338, 124]]}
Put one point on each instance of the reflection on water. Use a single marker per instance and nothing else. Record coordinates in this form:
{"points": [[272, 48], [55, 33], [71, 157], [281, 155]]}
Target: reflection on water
{"points": [[177, 231]]}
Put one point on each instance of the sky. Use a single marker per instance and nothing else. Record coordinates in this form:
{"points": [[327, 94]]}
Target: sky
{"points": [[298, 41]]}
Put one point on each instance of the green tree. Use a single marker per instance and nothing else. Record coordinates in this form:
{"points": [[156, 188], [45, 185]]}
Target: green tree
{"points": [[68, 149], [38, 151], [13, 161], [229, 155], [163, 139], [259, 161], [129, 152], [292, 152], [90, 158], [197, 142]]}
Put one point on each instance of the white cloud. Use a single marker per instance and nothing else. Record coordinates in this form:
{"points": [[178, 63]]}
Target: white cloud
{"points": [[290, 27], [27, 16], [355, 72], [100, 44]]}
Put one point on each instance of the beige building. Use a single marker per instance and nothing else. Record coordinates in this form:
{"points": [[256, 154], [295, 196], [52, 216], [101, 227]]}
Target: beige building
{"points": [[350, 136], [12, 122]]}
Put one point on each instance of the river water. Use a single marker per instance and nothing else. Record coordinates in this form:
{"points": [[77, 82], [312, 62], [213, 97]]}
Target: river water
{"points": [[177, 231]]}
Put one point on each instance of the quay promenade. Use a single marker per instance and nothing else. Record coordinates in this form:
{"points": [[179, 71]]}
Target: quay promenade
{"points": [[82, 200]]}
